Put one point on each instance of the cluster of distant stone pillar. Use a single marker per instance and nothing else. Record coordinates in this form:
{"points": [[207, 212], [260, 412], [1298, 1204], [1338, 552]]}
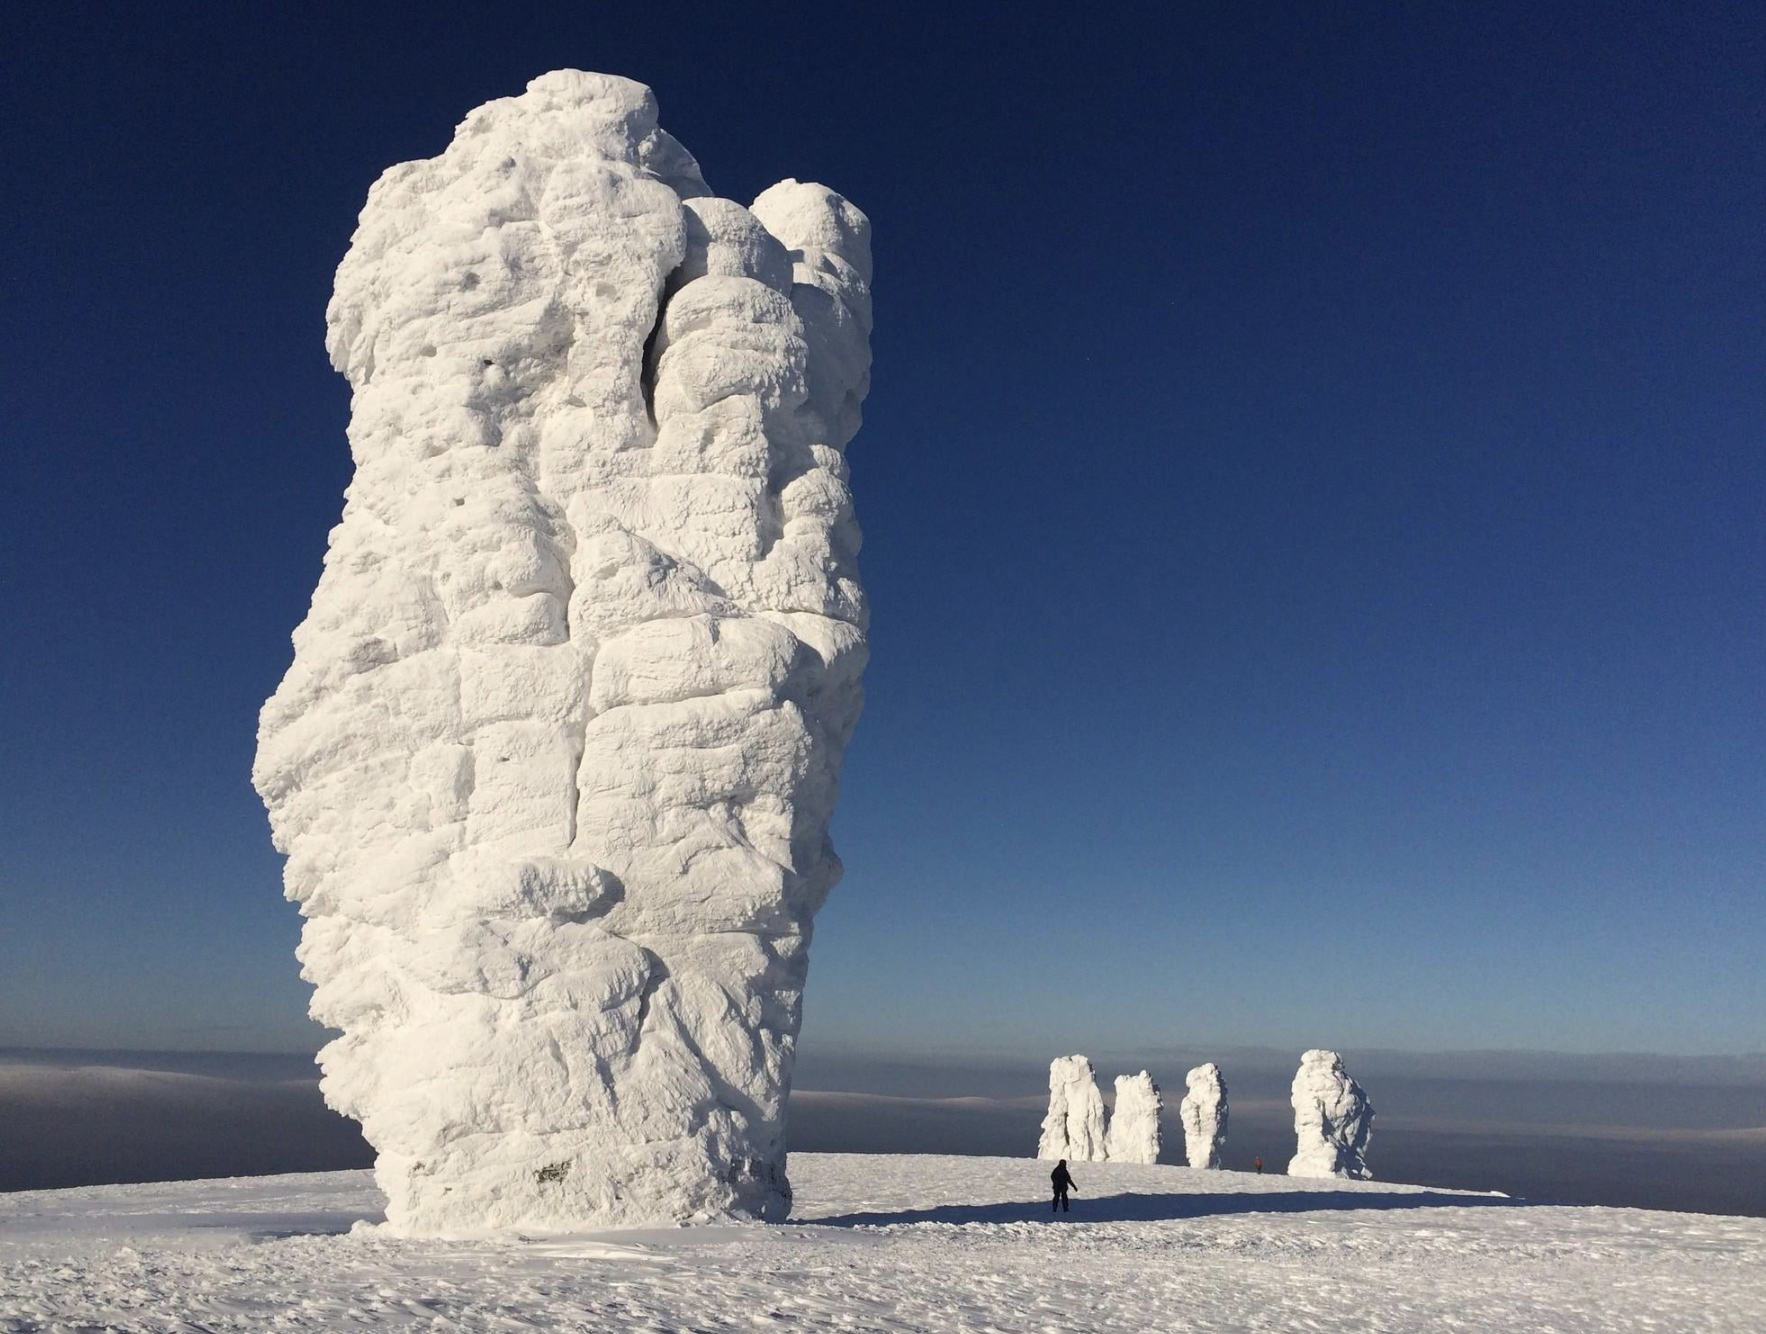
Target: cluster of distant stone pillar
{"points": [[1333, 1119]]}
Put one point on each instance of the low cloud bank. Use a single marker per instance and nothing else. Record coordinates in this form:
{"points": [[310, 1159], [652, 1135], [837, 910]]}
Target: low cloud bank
{"points": [[90, 1118], [86, 1125]]}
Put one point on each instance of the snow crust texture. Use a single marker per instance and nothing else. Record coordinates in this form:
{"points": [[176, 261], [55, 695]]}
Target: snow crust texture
{"points": [[555, 760], [1134, 1135], [895, 1244], [1204, 1116], [1332, 1120], [1074, 1126]]}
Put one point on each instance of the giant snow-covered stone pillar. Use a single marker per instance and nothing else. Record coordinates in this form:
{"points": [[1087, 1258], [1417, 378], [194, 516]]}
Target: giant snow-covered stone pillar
{"points": [[1332, 1120], [556, 758], [1074, 1126], [1134, 1135], [1204, 1116]]}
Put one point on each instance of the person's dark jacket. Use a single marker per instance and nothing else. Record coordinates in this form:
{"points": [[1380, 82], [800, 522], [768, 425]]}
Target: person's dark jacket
{"points": [[1063, 1181]]}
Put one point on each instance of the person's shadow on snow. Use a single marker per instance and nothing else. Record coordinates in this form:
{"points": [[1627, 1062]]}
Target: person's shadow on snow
{"points": [[1160, 1208]]}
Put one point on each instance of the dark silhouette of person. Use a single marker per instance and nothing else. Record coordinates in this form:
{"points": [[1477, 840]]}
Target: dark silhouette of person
{"points": [[1063, 1183], [1258, 1164]]}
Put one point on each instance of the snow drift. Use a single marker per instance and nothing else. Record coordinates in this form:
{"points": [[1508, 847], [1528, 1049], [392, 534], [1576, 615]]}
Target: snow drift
{"points": [[1332, 1120], [556, 757], [1074, 1126], [1203, 1113], [897, 1243], [1134, 1136]]}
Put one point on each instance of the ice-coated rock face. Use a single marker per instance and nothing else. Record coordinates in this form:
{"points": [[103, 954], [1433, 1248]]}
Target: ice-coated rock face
{"points": [[1332, 1120], [1203, 1113], [1134, 1135], [555, 760], [1074, 1127]]}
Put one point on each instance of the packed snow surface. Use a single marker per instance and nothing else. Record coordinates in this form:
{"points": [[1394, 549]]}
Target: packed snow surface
{"points": [[1204, 1116], [1133, 1136], [890, 1244], [1074, 1126], [1332, 1120], [555, 760]]}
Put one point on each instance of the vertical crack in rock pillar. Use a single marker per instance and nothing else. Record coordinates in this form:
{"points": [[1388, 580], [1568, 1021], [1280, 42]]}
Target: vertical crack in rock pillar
{"points": [[556, 758]]}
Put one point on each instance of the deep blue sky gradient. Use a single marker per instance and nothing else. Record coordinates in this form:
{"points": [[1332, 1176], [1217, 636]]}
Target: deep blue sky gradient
{"points": [[1313, 492]]}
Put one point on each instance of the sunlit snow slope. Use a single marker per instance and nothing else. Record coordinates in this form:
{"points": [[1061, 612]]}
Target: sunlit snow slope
{"points": [[888, 1244]]}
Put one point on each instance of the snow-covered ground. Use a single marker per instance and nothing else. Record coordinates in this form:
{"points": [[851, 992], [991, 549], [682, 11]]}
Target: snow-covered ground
{"points": [[890, 1243]]}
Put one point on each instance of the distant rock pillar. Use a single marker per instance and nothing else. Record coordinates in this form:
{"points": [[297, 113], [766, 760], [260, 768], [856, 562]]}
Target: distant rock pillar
{"points": [[1134, 1122], [1333, 1120], [1203, 1113], [1074, 1126]]}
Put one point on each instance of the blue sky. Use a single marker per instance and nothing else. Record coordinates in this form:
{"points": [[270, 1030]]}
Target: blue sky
{"points": [[1312, 488]]}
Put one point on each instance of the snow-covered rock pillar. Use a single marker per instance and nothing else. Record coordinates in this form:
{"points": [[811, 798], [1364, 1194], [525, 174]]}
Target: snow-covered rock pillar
{"points": [[1074, 1126], [1134, 1134], [555, 760], [1203, 1113], [1332, 1120]]}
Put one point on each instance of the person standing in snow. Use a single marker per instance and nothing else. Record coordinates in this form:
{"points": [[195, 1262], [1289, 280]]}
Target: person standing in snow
{"points": [[1258, 1164], [1063, 1183]]}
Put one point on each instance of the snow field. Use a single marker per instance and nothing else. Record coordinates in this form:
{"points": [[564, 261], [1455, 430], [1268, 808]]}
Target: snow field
{"points": [[890, 1243]]}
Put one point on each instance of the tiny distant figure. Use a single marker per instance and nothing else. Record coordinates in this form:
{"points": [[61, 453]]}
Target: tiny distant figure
{"points": [[1063, 1183], [1258, 1164]]}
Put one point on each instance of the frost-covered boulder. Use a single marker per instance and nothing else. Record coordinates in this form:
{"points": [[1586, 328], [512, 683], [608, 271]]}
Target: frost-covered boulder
{"points": [[1134, 1136], [555, 760], [1332, 1120], [1203, 1113], [1074, 1127]]}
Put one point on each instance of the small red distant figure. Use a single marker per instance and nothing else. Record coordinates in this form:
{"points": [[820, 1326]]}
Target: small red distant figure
{"points": [[1258, 1164]]}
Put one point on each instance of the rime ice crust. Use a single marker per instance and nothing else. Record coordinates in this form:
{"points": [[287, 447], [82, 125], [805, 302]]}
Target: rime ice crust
{"points": [[1204, 1116], [1074, 1126], [1134, 1135], [1332, 1120], [555, 760]]}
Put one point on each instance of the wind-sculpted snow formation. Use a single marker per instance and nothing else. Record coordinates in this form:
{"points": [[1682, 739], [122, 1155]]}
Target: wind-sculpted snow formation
{"points": [[1332, 1120], [1134, 1136], [556, 758], [1074, 1126], [1203, 1113]]}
